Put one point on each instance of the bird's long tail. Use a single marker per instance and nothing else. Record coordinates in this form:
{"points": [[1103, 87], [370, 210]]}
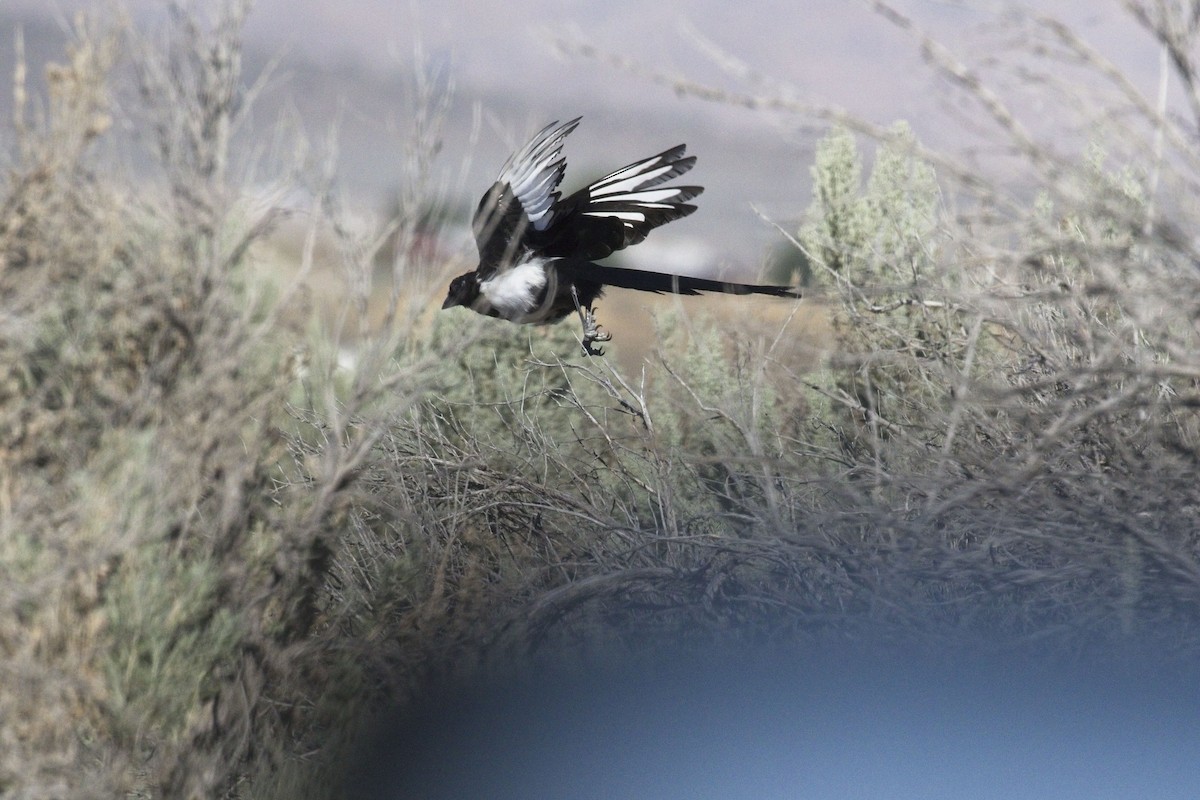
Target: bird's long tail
{"points": [[660, 282]]}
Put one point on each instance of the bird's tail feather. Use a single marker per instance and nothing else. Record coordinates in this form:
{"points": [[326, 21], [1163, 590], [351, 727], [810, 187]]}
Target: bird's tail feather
{"points": [[659, 282]]}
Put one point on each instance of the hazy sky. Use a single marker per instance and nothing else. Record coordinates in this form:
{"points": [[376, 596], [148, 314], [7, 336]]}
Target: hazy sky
{"points": [[356, 56], [830, 51], [833, 51], [836, 51]]}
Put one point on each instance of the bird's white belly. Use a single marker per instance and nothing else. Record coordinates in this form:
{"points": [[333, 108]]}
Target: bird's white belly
{"points": [[516, 294]]}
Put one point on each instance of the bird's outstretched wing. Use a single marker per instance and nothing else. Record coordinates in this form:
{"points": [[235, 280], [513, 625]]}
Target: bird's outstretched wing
{"points": [[522, 200], [621, 208]]}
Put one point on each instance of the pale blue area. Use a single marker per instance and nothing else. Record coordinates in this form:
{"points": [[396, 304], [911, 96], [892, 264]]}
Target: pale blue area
{"points": [[824, 730]]}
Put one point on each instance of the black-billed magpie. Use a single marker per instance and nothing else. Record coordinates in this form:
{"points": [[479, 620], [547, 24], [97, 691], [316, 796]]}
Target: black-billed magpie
{"points": [[536, 250]]}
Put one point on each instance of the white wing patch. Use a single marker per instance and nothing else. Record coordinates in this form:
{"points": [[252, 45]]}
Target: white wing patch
{"points": [[643, 174], [628, 179], [630, 216], [627, 194], [625, 206], [535, 171], [647, 197]]}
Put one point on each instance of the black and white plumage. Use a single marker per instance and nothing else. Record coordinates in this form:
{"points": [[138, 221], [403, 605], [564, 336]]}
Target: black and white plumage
{"points": [[537, 250]]}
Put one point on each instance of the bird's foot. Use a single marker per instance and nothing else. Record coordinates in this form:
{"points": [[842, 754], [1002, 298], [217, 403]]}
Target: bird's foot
{"points": [[592, 332]]}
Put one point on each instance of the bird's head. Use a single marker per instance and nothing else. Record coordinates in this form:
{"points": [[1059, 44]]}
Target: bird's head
{"points": [[463, 291]]}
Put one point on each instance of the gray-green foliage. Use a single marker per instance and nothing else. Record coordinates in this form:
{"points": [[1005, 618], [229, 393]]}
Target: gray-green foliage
{"points": [[904, 210], [1109, 322], [884, 232], [717, 397], [512, 390], [1090, 264], [159, 555], [839, 227], [880, 246]]}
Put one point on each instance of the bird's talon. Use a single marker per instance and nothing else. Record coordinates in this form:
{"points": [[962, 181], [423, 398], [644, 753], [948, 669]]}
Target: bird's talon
{"points": [[592, 329], [588, 350], [593, 334]]}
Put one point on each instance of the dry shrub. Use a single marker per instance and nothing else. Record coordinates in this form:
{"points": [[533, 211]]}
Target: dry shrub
{"points": [[162, 554]]}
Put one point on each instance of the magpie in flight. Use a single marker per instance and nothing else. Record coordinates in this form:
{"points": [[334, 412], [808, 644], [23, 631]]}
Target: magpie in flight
{"points": [[537, 250]]}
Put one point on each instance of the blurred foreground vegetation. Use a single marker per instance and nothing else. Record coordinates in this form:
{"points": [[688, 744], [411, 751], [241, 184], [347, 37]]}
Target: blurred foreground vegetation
{"points": [[220, 549]]}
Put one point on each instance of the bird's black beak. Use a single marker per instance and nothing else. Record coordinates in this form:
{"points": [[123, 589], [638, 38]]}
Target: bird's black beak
{"points": [[450, 302]]}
